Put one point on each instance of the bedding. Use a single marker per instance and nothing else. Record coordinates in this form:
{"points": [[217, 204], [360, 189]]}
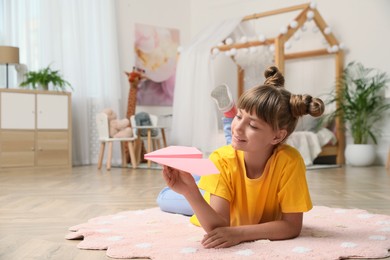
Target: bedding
{"points": [[310, 143]]}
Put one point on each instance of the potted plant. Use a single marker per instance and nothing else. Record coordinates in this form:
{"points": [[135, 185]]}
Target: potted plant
{"points": [[361, 104], [43, 78]]}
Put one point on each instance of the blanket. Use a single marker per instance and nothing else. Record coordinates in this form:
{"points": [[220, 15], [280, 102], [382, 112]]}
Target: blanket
{"points": [[310, 144]]}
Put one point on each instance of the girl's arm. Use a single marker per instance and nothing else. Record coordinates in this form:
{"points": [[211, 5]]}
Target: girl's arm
{"points": [[209, 217], [288, 227]]}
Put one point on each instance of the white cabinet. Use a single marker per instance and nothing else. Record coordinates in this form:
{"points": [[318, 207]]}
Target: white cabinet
{"points": [[35, 128], [17, 110], [52, 112]]}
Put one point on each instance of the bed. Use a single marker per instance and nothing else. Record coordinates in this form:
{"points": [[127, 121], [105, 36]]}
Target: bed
{"points": [[312, 144]]}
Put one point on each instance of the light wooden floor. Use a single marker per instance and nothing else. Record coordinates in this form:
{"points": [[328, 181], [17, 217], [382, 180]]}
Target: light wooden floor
{"points": [[38, 206]]}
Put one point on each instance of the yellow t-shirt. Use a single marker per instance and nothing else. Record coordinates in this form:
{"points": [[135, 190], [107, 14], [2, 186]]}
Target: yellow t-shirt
{"points": [[281, 188]]}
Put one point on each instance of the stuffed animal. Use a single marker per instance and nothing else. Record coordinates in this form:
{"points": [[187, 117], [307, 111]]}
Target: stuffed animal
{"points": [[119, 128], [110, 114]]}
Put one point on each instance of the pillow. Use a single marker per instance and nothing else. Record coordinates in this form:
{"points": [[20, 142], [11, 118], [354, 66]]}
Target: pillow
{"points": [[306, 123]]}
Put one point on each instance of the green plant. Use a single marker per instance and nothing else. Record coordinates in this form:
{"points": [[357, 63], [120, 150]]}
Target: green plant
{"points": [[44, 77], [361, 101]]}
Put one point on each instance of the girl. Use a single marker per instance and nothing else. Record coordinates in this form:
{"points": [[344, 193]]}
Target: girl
{"points": [[261, 191]]}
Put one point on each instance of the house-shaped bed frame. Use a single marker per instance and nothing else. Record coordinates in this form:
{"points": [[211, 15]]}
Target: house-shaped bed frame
{"points": [[280, 57]]}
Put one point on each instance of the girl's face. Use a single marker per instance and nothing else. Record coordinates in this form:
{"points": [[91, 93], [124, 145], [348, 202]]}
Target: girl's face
{"points": [[251, 134]]}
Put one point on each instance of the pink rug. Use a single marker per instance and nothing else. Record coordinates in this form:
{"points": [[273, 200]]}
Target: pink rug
{"points": [[328, 233]]}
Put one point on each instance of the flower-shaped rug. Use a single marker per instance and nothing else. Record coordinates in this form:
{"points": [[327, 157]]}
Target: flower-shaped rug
{"points": [[328, 233]]}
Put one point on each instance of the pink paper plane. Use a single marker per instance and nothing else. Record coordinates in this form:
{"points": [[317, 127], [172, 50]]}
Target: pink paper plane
{"points": [[188, 159], [176, 152]]}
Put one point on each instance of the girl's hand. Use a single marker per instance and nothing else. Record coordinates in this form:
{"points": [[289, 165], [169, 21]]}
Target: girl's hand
{"points": [[179, 181], [221, 237]]}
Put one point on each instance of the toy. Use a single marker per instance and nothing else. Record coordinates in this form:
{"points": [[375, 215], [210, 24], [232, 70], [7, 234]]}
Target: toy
{"points": [[119, 128], [134, 78]]}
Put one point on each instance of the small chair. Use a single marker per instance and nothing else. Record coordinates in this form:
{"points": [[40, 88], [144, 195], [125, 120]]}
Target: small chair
{"points": [[156, 139], [104, 137]]}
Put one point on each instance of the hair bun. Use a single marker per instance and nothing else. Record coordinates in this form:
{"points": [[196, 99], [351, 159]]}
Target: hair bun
{"points": [[273, 77], [305, 104], [270, 71]]}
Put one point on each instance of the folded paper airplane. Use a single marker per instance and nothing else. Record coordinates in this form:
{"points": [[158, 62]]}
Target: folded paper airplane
{"points": [[188, 159]]}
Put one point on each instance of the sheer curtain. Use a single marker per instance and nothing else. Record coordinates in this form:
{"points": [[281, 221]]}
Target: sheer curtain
{"points": [[78, 38], [193, 122]]}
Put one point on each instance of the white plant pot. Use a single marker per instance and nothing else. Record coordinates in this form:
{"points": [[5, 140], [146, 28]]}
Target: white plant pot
{"points": [[360, 154]]}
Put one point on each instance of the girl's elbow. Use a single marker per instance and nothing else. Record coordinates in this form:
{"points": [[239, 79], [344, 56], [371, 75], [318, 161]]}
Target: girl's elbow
{"points": [[291, 232], [214, 226], [295, 232]]}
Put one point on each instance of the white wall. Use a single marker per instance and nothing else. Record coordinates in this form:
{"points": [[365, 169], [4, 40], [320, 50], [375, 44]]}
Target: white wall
{"points": [[168, 13], [361, 25]]}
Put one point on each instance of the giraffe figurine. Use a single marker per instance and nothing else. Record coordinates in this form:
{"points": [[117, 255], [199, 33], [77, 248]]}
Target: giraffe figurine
{"points": [[134, 79]]}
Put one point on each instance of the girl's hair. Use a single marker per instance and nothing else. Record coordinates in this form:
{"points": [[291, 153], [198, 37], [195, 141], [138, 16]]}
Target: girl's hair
{"points": [[277, 106]]}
